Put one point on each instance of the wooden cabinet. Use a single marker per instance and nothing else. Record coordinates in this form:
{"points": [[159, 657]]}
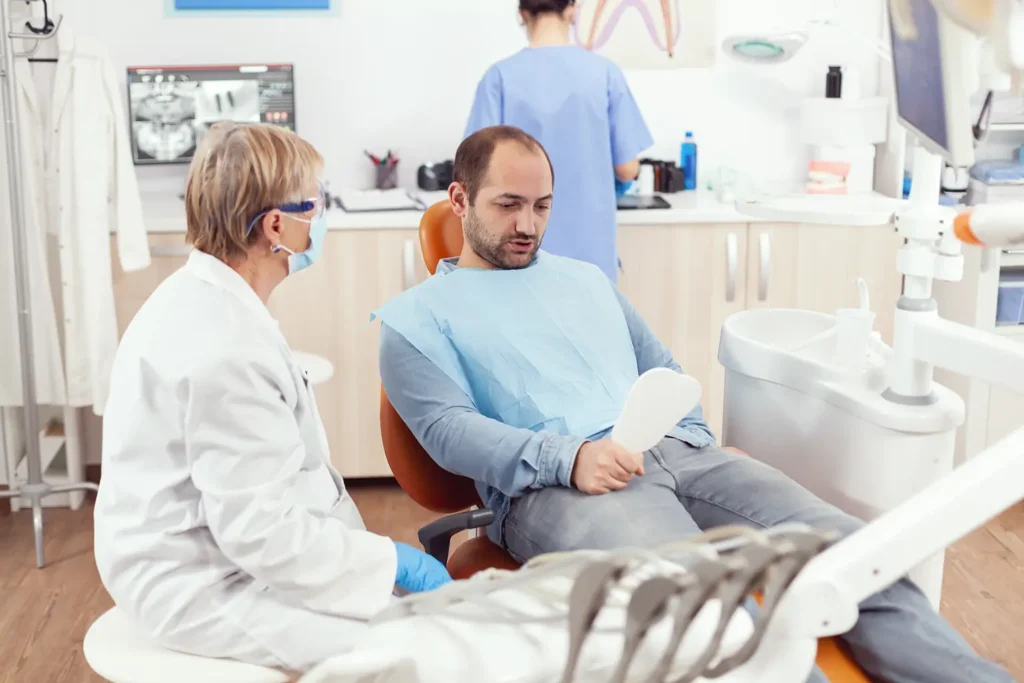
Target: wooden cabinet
{"points": [[168, 252], [326, 311], [815, 267], [685, 281]]}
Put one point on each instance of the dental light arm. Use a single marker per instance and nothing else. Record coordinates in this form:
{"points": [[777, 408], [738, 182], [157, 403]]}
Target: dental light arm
{"points": [[824, 598]]}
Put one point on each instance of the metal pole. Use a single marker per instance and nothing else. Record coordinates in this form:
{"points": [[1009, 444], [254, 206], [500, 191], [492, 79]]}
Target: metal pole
{"points": [[28, 376], [35, 489]]}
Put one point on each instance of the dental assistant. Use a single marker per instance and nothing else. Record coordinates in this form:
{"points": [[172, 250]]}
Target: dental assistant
{"points": [[578, 105], [221, 527]]}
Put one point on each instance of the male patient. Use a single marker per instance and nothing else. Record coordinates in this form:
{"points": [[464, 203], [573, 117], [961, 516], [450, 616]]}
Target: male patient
{"points": [[510, 365]]}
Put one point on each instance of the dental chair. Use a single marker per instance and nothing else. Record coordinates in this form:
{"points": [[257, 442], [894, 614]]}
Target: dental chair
{"points": [[441, 491]]}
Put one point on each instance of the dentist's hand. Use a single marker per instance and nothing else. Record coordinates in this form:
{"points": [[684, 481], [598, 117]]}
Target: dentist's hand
{"points": [[418, 571], [603, 466]]}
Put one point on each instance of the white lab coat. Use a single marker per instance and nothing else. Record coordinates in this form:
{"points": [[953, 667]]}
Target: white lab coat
{"points": [[80, 185], [221, 527]]}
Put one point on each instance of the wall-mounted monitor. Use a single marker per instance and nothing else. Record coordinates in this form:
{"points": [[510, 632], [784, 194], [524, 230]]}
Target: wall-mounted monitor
{"points": [[171, 108]]}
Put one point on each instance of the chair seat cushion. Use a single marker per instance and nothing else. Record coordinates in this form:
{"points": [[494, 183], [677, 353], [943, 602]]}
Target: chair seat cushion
{"points": [[117, 651]]}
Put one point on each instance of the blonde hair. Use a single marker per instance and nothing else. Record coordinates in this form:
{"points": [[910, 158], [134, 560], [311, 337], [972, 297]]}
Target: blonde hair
{"points": [[238, 171]]}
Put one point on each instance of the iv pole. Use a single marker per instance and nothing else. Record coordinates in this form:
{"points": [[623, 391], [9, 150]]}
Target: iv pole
{"points": [[34, 490]]}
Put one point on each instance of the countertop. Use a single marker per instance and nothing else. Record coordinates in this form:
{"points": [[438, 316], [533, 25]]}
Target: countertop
{"points": [[165, 213]]}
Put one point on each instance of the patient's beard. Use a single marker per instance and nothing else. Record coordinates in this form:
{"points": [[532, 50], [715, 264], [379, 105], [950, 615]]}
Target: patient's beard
{"points": [[492, 249]]}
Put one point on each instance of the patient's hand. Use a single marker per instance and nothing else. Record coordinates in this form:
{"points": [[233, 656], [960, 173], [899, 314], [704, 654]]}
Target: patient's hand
{"points": [[603, 466]]}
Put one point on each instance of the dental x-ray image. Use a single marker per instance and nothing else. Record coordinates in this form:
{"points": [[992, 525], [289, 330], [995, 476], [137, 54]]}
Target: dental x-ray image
{"points": [[164, 118], [173, 108]]}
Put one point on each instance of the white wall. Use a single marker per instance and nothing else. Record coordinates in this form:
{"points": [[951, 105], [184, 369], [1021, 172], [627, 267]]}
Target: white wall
{"points": [[400, 74]]}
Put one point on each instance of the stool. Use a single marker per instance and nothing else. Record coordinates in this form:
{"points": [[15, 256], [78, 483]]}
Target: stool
{"points": [[116, 651]]}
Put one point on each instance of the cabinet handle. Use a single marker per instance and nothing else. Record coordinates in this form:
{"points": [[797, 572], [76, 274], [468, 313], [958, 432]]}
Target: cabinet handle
{"points": [[731, 259], [765, 244], [160, 250], [1013, 252], [408, 264]]}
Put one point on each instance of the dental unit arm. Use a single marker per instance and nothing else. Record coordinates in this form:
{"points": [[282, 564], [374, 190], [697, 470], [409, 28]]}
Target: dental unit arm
{"points": [[824, 598]]}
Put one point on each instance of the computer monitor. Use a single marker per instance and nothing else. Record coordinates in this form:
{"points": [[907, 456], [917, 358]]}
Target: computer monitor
{"points": [[930, 71], [171, 108]]}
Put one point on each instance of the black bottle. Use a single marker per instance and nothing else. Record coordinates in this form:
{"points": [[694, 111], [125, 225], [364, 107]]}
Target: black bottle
{"points": [[834, 82]]}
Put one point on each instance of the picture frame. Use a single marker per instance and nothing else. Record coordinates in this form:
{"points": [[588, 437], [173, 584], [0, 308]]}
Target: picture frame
{"points": [[276, 6]]}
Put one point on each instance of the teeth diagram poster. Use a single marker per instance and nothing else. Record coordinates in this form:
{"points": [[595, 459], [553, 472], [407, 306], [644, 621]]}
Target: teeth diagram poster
{"points": [[649, 34]]}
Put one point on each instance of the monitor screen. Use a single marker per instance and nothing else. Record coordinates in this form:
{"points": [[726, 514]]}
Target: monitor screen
{"points": [[171, 108], [920, 95]]}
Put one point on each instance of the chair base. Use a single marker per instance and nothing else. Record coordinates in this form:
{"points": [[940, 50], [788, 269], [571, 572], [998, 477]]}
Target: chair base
{"points": [[117, 652]]}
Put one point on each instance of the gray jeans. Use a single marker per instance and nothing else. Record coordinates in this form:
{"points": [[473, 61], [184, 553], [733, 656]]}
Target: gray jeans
{"points": [[898, 637]]}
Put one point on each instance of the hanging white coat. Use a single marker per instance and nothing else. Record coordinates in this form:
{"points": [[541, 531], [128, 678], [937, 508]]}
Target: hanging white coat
{"points": [[80, 186]]}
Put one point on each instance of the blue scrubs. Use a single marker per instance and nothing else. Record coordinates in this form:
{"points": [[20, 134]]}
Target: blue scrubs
{"points": [[577, 104]]}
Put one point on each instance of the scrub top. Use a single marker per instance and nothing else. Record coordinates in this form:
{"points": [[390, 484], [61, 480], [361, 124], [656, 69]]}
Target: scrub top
{"points": [[577, 104]]}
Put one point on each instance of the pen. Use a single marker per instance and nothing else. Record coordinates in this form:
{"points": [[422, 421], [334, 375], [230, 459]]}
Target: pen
{"points": [[373, 158]]}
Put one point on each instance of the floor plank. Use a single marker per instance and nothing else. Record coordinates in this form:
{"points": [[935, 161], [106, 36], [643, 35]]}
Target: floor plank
{"points": [[44, 614]]}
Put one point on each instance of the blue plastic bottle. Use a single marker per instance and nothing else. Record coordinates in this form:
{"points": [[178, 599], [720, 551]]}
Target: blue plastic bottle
{"points": [[688, 162]]}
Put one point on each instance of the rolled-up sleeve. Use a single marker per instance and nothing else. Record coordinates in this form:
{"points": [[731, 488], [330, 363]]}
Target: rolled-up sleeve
{"points": [[487, 103], [630, 135], [247, 456], [459, 438]]}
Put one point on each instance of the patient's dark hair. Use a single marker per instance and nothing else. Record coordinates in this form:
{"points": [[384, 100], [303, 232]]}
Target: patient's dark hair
{"points": [[473, 157], [535, 8]]}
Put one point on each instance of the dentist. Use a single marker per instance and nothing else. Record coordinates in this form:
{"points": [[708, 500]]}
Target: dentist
{"points": [[221, 527]]}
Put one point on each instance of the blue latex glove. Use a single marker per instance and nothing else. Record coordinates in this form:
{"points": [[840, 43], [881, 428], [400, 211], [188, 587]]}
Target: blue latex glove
{"points": [[417, 571], [622, 187]]}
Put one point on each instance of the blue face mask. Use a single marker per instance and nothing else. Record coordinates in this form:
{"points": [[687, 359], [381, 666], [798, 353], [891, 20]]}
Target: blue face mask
{"points": [[304, 259]]}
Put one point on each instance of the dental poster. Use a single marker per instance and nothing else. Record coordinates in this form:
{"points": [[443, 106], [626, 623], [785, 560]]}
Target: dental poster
{"points": [[648, 34]]}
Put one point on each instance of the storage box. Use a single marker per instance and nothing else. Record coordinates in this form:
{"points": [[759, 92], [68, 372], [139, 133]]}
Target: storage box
{"points": [[1010, 304]]}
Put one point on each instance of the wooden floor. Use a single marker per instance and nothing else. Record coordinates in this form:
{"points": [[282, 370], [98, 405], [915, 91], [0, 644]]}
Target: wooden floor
{"points": [[44, 613]]}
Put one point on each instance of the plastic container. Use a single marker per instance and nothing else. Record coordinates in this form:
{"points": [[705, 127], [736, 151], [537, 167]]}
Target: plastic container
{"points": [[1010, 302], [688, 162], [645, 180], [834, 82], [853, 337]]}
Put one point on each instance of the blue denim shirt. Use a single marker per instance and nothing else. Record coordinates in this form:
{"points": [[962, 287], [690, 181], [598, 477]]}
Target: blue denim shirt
{"points": [[505, 462]]}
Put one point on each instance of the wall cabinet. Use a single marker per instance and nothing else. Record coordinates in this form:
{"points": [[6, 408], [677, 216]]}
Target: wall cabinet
{"points": [[684, 280]]}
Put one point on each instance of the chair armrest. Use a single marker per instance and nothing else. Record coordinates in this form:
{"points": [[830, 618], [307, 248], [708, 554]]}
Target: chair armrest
{"points": [[436, 537]]}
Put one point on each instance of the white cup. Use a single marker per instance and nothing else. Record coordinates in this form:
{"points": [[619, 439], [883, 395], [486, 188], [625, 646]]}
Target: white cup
{"points": [[853, 337], [645, 180]]}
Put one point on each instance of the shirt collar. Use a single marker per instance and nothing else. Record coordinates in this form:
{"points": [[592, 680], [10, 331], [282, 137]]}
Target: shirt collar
{"points": [[447, 265], [214, 271]]}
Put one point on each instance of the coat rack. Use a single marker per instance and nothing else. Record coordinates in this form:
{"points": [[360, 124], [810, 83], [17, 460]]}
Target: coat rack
{"points": [[34, 490]]}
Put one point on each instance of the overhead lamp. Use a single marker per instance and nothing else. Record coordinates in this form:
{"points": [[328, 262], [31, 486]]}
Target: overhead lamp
{"points": [[759, 49]]}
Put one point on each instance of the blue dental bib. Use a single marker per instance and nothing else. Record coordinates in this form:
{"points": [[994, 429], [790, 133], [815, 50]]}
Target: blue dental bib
{"points": [[542, 348]]}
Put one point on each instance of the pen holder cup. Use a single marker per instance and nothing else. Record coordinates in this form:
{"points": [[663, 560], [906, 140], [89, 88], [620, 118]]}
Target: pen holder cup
{"points": [[387, 177]]}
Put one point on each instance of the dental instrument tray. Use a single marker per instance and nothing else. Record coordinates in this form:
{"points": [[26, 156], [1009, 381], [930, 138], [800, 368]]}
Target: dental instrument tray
{"points": [[641, 202]]}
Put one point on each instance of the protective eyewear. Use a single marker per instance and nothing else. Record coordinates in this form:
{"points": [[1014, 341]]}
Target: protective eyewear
{"points": [[319, 203]]}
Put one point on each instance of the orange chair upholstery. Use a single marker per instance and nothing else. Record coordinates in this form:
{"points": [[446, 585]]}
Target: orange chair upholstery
{"points": [[441, 491]]}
